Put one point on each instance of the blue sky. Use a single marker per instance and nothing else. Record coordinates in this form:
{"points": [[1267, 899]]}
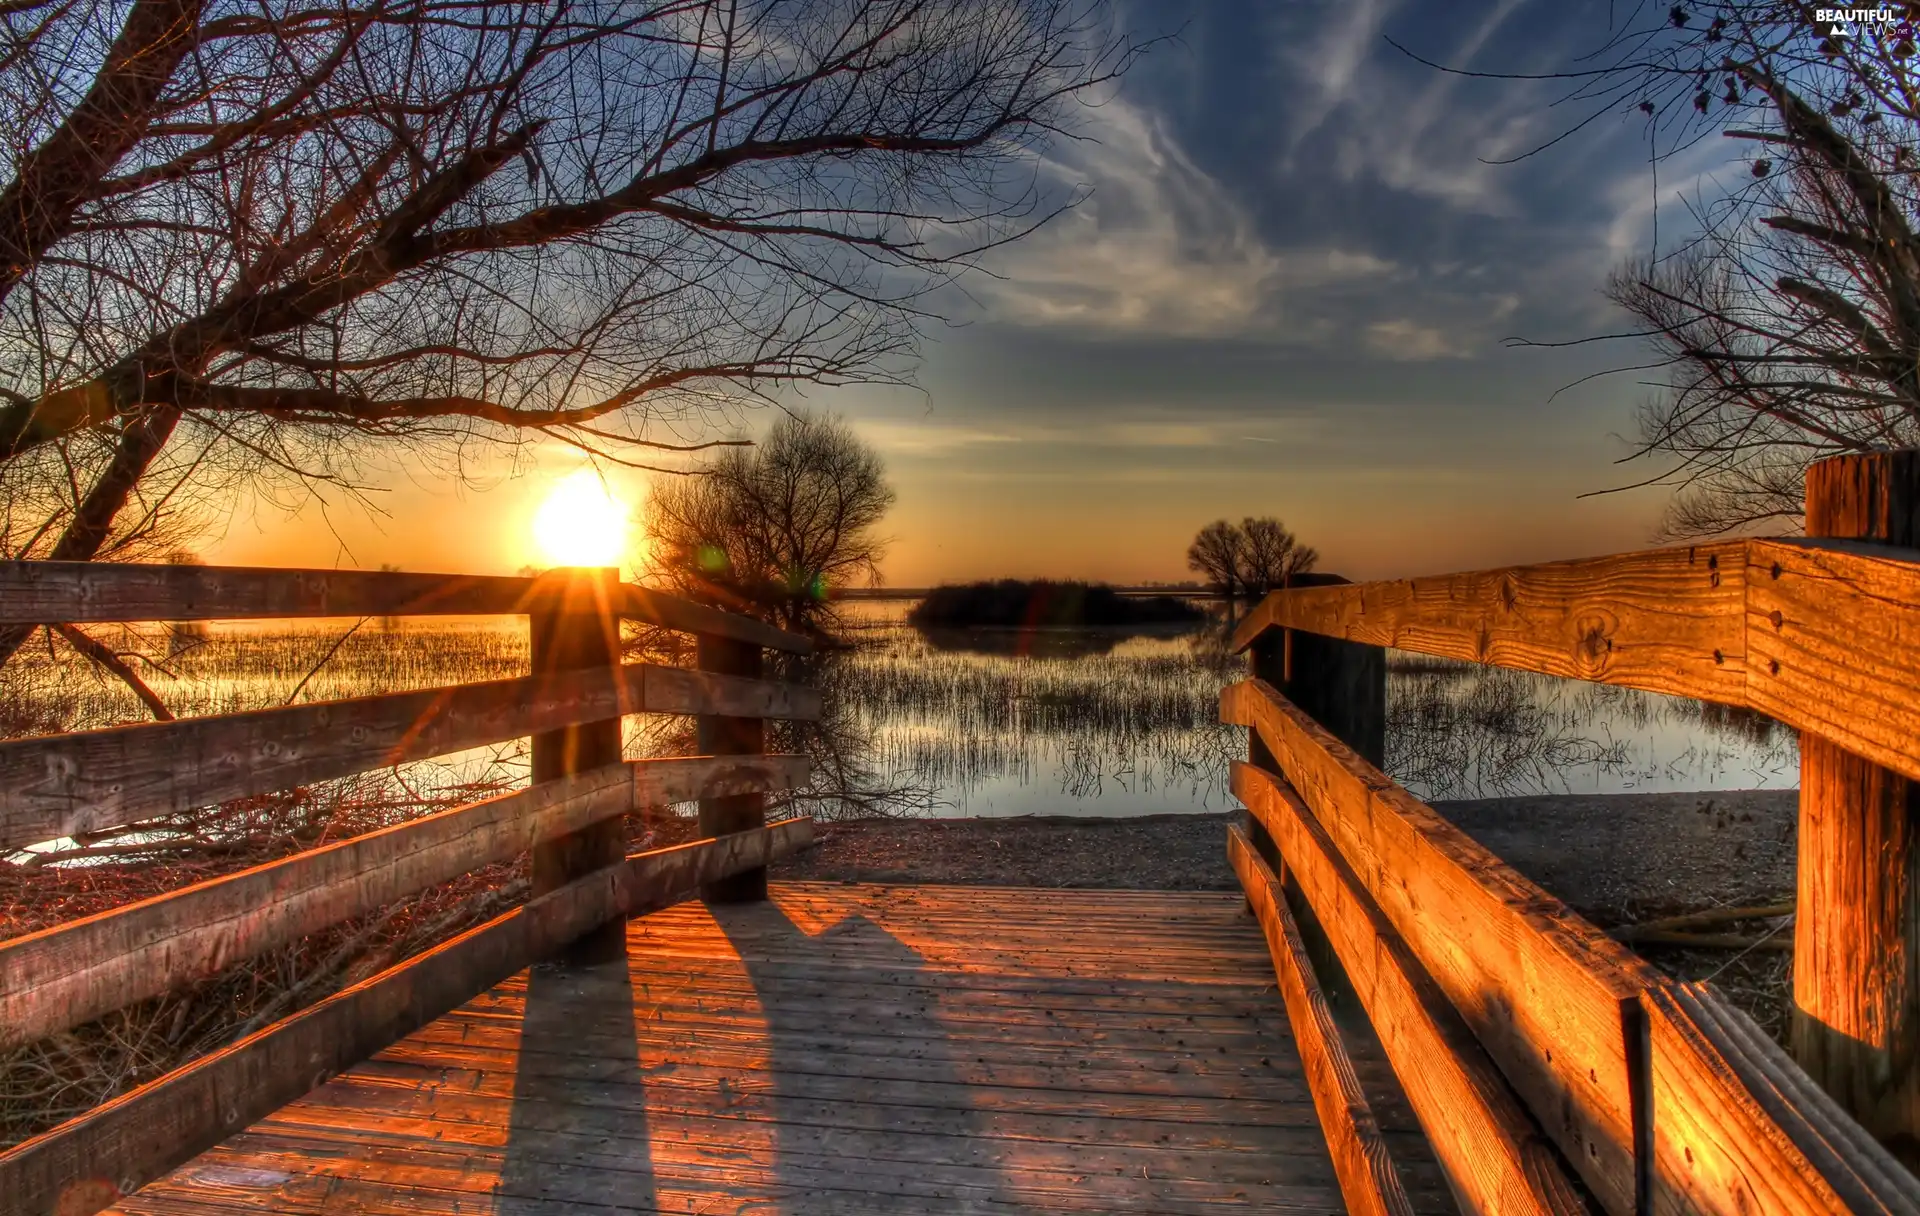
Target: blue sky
{"points": [[1287, 293]]}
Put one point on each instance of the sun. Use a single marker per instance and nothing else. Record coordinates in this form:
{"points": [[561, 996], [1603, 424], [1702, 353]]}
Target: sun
{"points": [[581, 523]]}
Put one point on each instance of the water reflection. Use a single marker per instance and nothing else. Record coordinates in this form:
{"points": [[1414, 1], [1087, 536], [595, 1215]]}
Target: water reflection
{"points": [[1052, 723], [1048, 643], [972, 722], [1463, 731]]}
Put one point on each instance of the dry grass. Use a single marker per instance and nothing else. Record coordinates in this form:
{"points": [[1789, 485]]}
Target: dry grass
{"points": [[46, 689]]}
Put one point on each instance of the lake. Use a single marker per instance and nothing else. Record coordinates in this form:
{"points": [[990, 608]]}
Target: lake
{"points": [[964, 724], [1093, 723]]}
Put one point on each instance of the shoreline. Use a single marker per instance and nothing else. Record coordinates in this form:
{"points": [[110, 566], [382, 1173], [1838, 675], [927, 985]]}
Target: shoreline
{"points": [[1611, 857]]}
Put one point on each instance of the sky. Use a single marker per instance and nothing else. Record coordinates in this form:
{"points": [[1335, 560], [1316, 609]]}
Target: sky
{"points": [[1289, 291]]}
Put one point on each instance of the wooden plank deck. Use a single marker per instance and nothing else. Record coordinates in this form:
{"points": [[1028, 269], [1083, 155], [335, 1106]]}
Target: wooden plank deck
{"points": [[839, 1049]]}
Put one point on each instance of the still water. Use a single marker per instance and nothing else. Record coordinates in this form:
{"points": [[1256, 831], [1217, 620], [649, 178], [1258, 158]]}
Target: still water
{"points": [[967, 724], [1087, 723]]}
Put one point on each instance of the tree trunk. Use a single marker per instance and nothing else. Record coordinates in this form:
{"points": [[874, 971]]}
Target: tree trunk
{"points": [[141, 440]]}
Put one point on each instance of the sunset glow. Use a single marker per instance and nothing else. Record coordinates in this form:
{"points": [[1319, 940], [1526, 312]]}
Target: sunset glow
{"points": [[581, 523]]}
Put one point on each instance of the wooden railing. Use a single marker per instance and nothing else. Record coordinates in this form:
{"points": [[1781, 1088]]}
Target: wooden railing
{"points": [[584, 886], [1553, 1069]]}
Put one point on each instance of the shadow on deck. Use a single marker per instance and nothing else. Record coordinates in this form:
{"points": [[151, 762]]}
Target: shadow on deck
{"points": [[841, 1048]]}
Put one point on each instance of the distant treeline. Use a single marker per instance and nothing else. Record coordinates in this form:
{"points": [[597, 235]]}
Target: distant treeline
{"points": [[1012, 604]]}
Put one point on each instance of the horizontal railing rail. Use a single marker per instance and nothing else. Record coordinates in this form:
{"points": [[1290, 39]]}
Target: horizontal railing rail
{"points": [[1659, 1095], [55, 593], [59, 785], [72, 973], [90, 1161], [570, 822], [1823, 635], [1407, 900]]}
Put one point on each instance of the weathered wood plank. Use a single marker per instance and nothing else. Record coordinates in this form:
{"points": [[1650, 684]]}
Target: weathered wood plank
{"points": [[82, 1165], [1667, 620], [1367, 1177], [1834, 631], [657, 1087], [58, 785], [1493, 1153], [72, 973], [46, 593], [1837, 620], [732, 736], [1075, 1142], [1823, 635], [645, 604], [1546, 992], [1743, 1130], [571, 631]]}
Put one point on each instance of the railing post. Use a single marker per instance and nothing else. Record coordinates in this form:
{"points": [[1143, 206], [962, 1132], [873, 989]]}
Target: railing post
{"points": [[1341, 685], [1856, 980], [720, 735], [1267, 658], [573, 625]]}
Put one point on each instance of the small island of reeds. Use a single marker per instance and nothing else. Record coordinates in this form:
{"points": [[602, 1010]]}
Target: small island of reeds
{"points": [[1045, 604]]}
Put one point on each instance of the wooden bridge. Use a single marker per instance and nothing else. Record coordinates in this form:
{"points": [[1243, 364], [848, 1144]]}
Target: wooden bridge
{"points": [[697, 1040]]}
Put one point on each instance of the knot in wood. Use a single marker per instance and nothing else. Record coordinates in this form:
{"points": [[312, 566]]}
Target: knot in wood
{"points": [[1595, 642]]}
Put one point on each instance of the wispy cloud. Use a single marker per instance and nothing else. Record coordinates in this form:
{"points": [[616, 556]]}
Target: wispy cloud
{"points": [[1159, 246], [1403, 339]]}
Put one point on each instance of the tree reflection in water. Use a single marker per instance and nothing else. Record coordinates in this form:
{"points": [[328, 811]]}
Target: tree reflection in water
{"points": [[1462, 730], [1103, 722]]}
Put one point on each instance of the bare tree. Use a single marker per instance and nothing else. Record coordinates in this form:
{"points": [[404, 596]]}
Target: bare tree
{"points": [[246, 240], [774, 527], [1273, 554], [1219, 553], [1787, 319]]}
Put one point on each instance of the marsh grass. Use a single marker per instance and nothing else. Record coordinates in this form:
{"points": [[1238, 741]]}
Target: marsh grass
{"points": [[227, 669]]}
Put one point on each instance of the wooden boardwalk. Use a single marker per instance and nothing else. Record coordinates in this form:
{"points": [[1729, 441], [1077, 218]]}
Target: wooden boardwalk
{"points": [[841, 1048]]}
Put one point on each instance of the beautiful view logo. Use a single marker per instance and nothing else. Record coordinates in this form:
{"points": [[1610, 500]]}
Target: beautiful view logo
{"points": [[1845, 22]]}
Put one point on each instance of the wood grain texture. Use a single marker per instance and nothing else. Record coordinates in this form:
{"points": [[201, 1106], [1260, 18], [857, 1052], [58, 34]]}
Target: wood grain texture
{"points": [[1856, 942], [45, 593], [1654, 620], [724, 735], [1744, 1130], [1492, 1151], [574, 630], [1822, 634], [1834, 633], [837, 1048], [1856, 957], [1546, 993], [1367, 1178], [69, 974], [57, 785], [83, 1164]]}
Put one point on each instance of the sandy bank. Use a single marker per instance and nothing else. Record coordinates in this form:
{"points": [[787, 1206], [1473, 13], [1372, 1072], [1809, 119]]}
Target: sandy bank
{"points": [[1614, 857]]}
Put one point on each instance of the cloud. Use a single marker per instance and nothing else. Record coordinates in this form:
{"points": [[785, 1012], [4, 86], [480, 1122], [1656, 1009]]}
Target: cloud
{"points": [[1159, 246], [1379, 118], [924, 437], [1409, 340]]}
